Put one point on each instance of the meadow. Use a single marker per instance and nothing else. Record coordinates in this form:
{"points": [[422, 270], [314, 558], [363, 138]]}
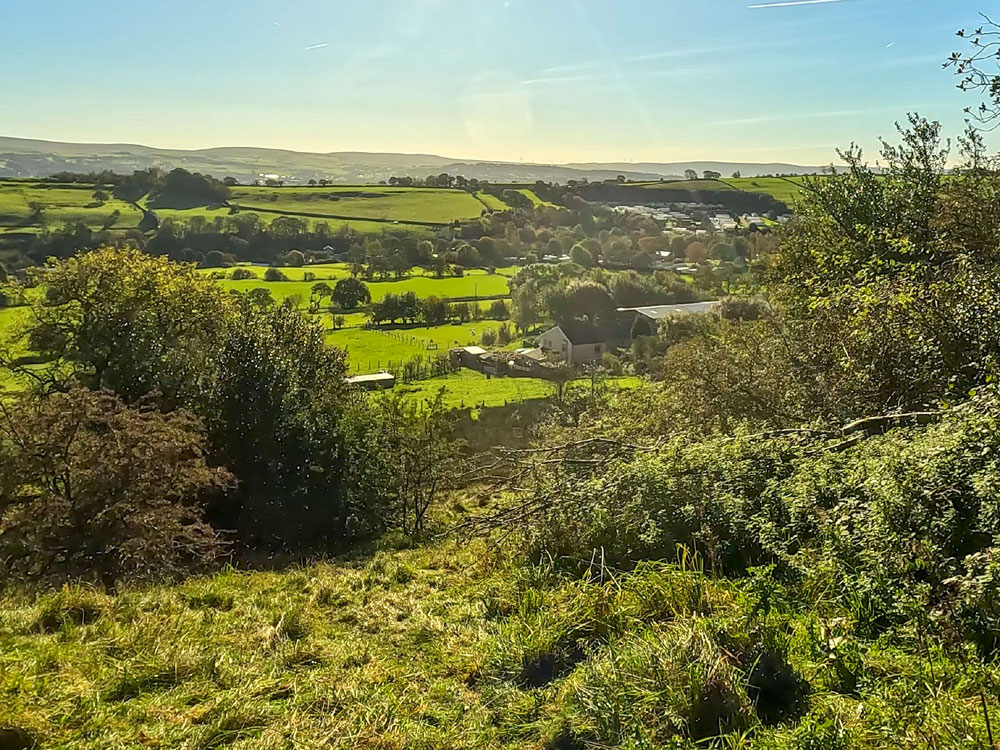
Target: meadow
{"points": [[785, 189], [430, 205], [476, 282], [371, 350], [41, 205], [366, 209]]}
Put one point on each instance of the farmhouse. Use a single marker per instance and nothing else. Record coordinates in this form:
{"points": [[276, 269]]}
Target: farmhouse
{"points": [[576, 342], [646, 320]]}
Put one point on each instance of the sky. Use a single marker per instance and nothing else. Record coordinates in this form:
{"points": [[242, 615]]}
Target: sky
{"points": [[550, 81]]}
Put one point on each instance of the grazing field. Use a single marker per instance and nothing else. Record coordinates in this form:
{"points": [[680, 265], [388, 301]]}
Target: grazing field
{"points": [[30, 206], [473, 284], [40, 205], [491, 201], [784, 189], [371, 350], [693, 185], [431, 205], [467, 388]]}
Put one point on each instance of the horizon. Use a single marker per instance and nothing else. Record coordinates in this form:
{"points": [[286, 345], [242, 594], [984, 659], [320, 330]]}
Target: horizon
{"points": [[572, 82]]}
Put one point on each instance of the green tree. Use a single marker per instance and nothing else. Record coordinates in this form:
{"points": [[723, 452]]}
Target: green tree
{"points": [[349, 293]]}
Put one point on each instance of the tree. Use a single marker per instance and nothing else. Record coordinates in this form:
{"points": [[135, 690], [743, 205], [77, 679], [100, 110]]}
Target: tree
{"points": [[581, 256], [498, 310], [736, 175], [461, 311], [100, 197], [467, 256], [979, 72], [709, 174], [690, 174], [424, 457], [349, 293], [435, 311], [295, 259], [274, 274], [696, 252], [92, 489], [320, 291], [213, 259]]}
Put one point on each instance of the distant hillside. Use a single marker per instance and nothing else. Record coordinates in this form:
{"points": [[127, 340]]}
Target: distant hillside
{"points": [[726, 168], [23, 157]]}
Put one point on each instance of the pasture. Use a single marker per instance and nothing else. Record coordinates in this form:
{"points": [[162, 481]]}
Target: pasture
{"points": [[374, 349], [30, 206], [476, 282], [386, 204], [467, 388], [42, 205], [785, 189]]}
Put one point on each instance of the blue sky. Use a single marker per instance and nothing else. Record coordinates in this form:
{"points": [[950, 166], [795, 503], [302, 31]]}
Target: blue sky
{"points": [[534, 80]]}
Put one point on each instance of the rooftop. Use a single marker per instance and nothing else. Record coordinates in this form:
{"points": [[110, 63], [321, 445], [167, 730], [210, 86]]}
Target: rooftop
{"points": [[656, 312]]}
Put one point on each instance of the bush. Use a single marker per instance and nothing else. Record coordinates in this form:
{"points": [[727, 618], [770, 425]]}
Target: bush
{"points": [[99, 491], [242, 274], [274, 274]]}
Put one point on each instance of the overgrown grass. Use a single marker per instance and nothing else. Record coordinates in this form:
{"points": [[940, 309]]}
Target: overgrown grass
{"points": [[448, 645]]}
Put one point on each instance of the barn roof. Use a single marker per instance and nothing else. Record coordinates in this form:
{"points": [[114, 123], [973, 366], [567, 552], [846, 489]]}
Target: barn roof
{"points": [[658, 312]]}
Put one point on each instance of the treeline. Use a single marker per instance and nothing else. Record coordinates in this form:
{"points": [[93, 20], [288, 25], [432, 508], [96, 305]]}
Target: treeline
{"points": [[218, 411], [176, 186]]}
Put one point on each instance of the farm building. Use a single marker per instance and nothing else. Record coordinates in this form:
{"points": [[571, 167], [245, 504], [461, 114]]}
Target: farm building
{"points": [[646, 320], [578, 341], [376, 381], [467, 356]]}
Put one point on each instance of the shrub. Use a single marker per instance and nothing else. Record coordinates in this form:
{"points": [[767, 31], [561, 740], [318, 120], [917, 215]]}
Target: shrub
{"points": [[96, 490], [242, 274], [274, 274]]}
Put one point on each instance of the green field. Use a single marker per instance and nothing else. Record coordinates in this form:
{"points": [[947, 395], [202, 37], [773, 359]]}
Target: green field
{"points": [[432, 205], [784, 189], [467, 388], [371, 350], [61, 204], [476, 282], [366, 209]]}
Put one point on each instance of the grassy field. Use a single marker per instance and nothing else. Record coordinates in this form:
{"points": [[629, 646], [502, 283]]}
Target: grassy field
{"points": [[61, 204], [366, 209], [472, 284], [434, 205], [491, 201], [451, 645], [785, 189], [371, 350], [467, 388]]}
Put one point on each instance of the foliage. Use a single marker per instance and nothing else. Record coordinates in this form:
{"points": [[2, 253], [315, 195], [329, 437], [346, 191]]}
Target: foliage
{"points": [[94, 490], [348, 294]]}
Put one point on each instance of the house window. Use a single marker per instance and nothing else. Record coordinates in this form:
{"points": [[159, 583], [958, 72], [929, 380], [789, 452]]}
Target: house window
{"points": [[597, 348]]}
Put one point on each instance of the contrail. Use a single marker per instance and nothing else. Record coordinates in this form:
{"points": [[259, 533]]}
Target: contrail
{"points": [[788, 3], [318, 46]]}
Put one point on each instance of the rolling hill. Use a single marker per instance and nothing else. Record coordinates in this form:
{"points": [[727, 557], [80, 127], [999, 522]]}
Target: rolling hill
{"points": [[24, 157]]}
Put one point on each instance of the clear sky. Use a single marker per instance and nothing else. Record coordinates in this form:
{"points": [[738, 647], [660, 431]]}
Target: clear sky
{"points": [[534, 80]]}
